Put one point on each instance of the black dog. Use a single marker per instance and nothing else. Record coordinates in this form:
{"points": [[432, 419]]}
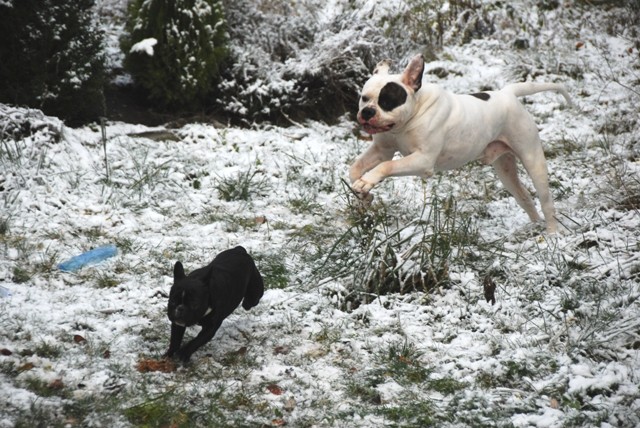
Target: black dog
{"points": [[208, 295]]}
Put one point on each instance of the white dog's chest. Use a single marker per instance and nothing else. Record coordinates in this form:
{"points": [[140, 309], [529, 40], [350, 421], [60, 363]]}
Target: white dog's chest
{"points": [[405, 148], [445, 150]]}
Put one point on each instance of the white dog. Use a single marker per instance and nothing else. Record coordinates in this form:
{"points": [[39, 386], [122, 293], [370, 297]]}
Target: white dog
{"points": [[436, 130]]}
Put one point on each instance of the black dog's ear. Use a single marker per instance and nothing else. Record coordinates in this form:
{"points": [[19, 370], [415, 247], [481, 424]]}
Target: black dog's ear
{"points": [[178, 271]]}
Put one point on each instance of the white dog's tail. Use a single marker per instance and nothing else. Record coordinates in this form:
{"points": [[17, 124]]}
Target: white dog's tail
{"points": [[530, 88]]}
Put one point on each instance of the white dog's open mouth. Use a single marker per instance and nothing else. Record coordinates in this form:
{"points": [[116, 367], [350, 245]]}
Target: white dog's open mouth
{"points": [[371, 129]]}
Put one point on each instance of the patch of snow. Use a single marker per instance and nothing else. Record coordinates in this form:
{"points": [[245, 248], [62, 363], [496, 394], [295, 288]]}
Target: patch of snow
{"points": [[145, 46]]}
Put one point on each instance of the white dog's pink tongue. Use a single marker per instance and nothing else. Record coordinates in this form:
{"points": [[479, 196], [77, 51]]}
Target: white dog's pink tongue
{"points": [[371, 129]]}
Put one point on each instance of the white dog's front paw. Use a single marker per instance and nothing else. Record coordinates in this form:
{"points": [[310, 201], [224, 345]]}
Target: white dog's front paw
{"points": [[361, 186]]}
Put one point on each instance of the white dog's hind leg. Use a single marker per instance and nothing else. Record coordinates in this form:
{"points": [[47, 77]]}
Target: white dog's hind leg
{"points": [[507, 172], [525, 143], [536, 166]]}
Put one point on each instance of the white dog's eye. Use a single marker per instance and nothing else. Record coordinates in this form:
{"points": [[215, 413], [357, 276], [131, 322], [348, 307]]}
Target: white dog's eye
{"points": [[365, 99]]}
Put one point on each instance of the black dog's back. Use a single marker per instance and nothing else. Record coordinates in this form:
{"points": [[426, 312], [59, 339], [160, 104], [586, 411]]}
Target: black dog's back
{"points": [[237, 258], [233, 277]]}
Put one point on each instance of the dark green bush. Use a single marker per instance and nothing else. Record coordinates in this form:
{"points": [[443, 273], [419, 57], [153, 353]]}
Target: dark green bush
{"points": [[52, 58], [181, 68]]}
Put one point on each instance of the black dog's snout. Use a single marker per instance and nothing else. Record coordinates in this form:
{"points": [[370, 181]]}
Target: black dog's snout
{"points": [[367, 113]]}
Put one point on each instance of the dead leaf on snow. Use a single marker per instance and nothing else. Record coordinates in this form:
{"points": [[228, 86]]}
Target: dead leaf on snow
{"points": [[241, 351], [281, 350], [25, 367], [56, 384], [148, 365], [489, 290], [275, 389]]}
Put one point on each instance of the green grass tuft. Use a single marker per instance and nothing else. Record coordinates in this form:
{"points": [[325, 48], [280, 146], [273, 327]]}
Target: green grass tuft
{"points": [[386, 251], [273, 269], [241, 186]]}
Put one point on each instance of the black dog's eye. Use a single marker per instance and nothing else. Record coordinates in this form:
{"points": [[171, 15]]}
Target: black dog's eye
{"points": [[365, 99], [391, 96], [175, 299]]}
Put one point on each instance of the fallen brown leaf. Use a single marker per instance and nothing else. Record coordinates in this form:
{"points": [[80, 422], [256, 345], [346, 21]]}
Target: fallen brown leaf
{"points": [[275, 389], [489, 289], [148, 365], [281, 350], [56, 384], [241, 351], [405, 360], [25, 367]]}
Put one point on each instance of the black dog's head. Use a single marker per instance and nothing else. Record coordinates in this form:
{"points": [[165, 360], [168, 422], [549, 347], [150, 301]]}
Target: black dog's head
{"points": [[188, 299]]}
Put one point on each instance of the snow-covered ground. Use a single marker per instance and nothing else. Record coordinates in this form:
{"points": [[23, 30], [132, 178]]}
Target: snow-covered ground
{"points": [[560, 347]]}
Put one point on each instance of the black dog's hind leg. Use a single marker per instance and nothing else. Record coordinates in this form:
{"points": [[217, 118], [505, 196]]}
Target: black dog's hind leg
{"points": [[177, 333], [209, 328], [255, 290]]}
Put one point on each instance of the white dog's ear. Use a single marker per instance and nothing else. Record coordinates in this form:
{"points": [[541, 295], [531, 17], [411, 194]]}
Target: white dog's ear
{"points": [[412, 75], [382, 67]]}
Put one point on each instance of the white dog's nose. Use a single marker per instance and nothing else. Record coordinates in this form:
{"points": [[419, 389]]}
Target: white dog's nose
{"points": [[367, 113]]}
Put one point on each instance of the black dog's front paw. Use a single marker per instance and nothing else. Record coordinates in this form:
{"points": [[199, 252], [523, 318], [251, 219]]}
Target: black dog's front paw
{"points": [[180, 355], [183, 356]]}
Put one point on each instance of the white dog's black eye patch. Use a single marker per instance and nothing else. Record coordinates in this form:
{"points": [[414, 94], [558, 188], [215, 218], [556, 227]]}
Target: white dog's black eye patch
{"points": [[481, 95], [391, 96]]}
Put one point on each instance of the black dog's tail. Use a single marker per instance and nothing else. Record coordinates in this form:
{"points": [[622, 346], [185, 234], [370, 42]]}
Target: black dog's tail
{"points": [[255, 290]]}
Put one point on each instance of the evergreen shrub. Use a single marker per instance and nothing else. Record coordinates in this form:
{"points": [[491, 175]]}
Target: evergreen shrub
{"points": [[52, 58], [173, 49]]}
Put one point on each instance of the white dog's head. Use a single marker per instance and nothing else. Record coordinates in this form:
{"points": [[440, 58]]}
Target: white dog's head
{"points": [[387, 100]]}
